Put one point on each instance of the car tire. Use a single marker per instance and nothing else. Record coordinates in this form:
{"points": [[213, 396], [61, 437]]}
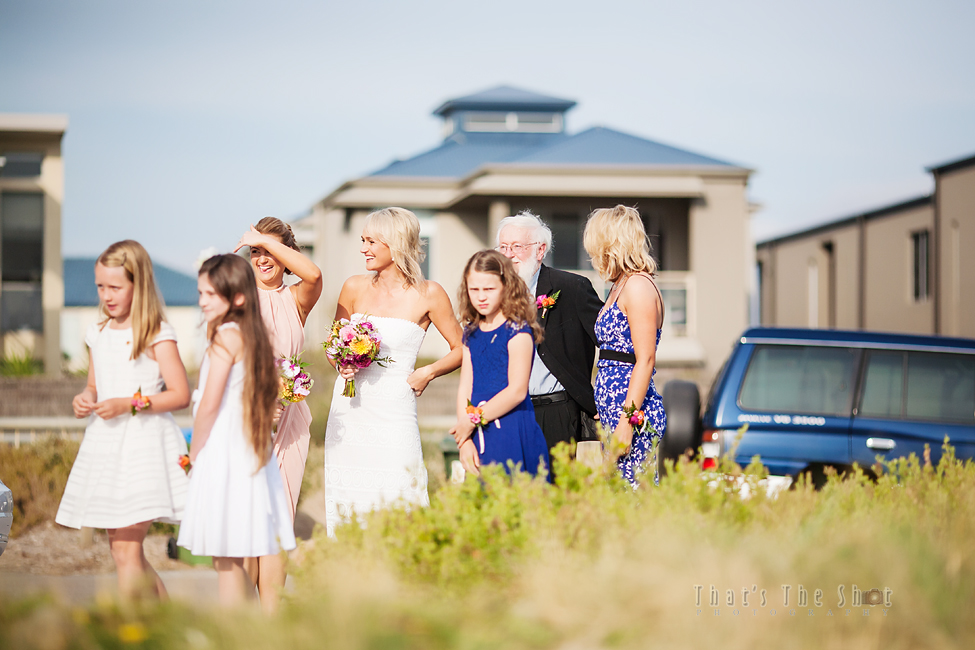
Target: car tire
{"points": [[682, 404]]}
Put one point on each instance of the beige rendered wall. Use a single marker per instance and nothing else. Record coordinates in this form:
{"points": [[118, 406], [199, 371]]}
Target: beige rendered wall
{"points": [[722, 261], [956, 213], [889, 277], [790, 284]]}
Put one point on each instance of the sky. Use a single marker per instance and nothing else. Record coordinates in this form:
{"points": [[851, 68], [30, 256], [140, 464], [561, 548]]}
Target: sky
{"points": [[188, 121]]}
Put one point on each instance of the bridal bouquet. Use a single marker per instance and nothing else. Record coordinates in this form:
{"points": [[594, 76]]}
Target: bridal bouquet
{"points": [[295, 382], [354, 344]]}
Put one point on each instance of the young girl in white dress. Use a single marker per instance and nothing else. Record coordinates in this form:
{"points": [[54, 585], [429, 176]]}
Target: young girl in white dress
{"points": [[236, 507], [127, 472]]}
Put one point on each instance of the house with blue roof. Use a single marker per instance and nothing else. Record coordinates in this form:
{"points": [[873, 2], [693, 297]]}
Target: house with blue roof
{"points": [[505, 150], [178, 291]]}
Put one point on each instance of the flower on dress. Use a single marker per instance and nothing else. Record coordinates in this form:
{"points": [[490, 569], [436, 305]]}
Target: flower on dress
{"points": [[546, 302]]}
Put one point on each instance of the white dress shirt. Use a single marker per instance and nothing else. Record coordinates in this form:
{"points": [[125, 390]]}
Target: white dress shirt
{"points": [[541, 381]]}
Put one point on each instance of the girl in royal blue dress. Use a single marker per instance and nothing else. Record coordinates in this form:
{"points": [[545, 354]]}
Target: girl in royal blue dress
{"points": [[495, 418], [628, 331]]}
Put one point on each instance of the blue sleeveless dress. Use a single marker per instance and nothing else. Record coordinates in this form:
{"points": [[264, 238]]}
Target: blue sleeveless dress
{"points": [[613, 380], [516, 435]]}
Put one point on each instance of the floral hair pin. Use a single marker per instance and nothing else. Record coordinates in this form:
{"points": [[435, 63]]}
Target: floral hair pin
{"points": [[546, 302], [476, 415]]}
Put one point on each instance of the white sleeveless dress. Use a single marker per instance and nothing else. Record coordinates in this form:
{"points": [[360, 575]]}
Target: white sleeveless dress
{"points": [[373, 456], [127, 469], [231, 511]]}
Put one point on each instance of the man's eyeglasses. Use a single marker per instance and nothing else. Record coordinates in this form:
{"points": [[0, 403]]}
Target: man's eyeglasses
{"points": [[517, 249]]}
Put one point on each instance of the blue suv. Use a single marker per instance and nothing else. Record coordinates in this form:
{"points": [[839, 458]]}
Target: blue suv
{"points": [[819, 398]]}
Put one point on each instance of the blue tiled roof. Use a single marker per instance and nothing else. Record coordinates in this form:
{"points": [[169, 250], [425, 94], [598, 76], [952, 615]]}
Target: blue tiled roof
{"points": [[505, 98], [178, 289], [463, 153], [600, 145]]}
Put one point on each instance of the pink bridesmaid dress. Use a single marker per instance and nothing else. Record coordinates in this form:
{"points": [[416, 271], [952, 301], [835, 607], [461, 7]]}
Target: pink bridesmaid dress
{"points": [[280, 312]]}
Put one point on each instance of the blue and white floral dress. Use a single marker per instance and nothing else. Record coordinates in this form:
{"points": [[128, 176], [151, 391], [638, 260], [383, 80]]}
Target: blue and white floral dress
{"points": [[613, 380]]}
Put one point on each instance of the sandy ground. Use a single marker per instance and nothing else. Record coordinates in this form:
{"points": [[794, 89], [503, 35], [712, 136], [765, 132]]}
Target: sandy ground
{"points": [[53, 550], [50, 549]]}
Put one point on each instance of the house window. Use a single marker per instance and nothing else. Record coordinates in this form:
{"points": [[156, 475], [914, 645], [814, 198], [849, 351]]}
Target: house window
{"points": [[425, 264], [20, 165], [22, 250], [919, 243], [498, 122]]}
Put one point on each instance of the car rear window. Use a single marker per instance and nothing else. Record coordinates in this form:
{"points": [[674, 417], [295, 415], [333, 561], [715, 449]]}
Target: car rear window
{"points": [[799, 379], [919, 385]]}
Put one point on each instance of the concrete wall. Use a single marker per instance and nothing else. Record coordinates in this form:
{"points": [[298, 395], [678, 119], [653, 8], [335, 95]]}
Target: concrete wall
{"points": [[722, 261], [956, 216], [40, 134]]}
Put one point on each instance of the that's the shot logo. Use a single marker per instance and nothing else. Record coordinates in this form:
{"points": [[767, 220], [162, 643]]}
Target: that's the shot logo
{"points": [[792, 600]]}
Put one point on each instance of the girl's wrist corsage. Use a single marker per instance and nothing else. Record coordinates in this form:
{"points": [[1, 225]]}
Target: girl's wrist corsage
{"points": [[546, 302], [139, 403], [476, 416], [184, 462]]}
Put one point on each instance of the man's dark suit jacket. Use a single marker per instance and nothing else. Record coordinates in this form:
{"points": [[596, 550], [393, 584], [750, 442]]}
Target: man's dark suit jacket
{"points": [[570, 343]]}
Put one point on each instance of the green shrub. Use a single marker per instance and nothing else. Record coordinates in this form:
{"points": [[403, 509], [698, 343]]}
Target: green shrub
{"points": [[20, 365]]}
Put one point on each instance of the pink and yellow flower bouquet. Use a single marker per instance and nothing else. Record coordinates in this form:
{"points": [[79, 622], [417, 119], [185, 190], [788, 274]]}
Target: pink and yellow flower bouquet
{"points": [[354, 344]]}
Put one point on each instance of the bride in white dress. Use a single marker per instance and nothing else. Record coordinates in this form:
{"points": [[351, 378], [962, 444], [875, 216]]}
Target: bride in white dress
{"points": [[372, 441]]}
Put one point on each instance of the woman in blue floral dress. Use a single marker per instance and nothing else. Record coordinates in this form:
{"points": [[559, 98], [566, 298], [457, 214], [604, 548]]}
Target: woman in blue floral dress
{"points": [[628, 330]]}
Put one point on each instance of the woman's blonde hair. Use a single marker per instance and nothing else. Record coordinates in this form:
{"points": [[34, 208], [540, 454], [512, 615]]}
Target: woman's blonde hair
{"points": [[146, 311], [516, 303], [231, 276], [399, 229], [617, 243]]}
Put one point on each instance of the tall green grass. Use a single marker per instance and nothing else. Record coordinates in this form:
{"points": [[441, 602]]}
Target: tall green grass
{"points": [[591, 563]]}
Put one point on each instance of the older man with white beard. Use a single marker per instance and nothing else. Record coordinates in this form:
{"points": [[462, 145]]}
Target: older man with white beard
{"points": [[561, 377]]}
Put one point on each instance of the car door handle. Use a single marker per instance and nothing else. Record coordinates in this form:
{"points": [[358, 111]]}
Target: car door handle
{"points": [[885, 444]]}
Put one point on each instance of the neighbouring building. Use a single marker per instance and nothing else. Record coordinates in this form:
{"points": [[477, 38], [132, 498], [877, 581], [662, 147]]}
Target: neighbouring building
{"points": [[81, 310], [31, 195], [506, 150], [900, 268]]}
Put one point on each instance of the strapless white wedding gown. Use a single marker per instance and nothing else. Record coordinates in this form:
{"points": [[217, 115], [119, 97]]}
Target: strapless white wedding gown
{"points": [[373, 456]]}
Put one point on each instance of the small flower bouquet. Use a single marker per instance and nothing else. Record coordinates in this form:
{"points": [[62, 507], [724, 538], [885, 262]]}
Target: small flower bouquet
{"points": [[185, 464], [546, 302], [476, 415], [634, 416], [139, 403], [295, 382], [354, 344]]}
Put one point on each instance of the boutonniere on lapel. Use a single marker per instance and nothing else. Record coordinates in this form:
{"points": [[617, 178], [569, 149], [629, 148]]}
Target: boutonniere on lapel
{"points": [[546, 302]]}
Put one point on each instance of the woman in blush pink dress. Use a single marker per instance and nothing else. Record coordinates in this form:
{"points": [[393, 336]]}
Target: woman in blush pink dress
{"points": [[274, 253]]}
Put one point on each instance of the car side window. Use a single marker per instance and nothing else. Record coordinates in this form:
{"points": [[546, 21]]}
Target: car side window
{"points": [[929, 386], [883, 385], [941, 387], [800, 379]]}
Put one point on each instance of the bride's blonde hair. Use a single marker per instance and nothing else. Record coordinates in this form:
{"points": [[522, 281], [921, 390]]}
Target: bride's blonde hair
{"points": [[399, 229]]}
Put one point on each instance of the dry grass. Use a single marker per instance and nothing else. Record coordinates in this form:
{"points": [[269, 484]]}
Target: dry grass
{"points": [[589, 563], [36, 475]]}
